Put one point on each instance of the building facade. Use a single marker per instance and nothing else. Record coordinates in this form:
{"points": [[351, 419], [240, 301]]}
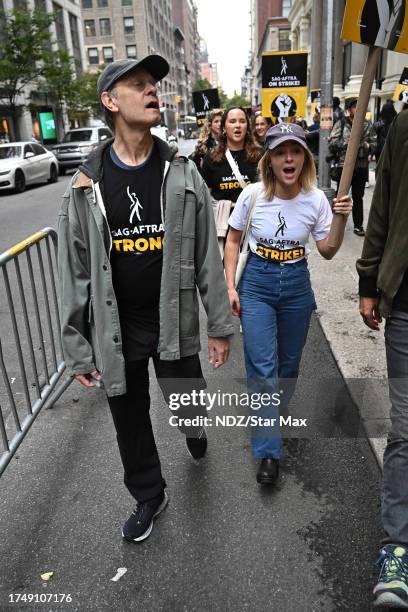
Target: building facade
{"points": [[270, 31], [118, 29], [67, 35]]}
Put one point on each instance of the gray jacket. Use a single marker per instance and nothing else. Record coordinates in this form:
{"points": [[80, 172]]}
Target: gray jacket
{"points": [[91, 335]]}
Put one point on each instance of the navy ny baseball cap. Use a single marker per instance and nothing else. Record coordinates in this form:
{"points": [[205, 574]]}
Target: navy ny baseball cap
{"points": [[156, 65], [282, 132]]}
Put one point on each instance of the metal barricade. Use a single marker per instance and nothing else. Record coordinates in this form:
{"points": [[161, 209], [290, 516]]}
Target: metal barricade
{"points": [[31, 360]]}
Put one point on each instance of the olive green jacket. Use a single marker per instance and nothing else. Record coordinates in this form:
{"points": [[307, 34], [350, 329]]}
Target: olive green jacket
{"points": [[384, 259], [91, 335]]}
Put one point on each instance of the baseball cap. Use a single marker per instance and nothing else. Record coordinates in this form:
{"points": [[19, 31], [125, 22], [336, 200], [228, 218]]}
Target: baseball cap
{"points": [[350, 102], [282, 132], [156, 65]]}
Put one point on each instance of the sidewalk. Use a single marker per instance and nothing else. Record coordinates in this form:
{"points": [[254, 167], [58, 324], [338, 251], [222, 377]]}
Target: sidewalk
{"points": [[358, 351]]}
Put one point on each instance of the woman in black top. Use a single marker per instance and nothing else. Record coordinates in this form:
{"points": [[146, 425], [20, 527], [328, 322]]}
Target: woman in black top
{"points": [[209, 136], [237, 137]]}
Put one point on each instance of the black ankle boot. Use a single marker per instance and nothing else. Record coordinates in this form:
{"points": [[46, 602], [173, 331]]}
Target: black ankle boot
{"points": [[268, 471]]}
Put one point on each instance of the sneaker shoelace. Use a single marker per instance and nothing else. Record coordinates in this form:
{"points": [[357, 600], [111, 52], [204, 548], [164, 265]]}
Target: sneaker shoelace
{"points": [[391, 568], [138, 512]]}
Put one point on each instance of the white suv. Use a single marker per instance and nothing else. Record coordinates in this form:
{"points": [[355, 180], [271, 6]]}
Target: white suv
{"points": [[77, 145]]}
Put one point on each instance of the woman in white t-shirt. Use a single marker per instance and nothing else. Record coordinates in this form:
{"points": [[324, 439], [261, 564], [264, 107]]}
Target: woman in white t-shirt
{"points": [[275, 299]]}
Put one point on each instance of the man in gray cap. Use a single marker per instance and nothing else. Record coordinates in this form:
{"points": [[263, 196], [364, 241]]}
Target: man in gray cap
{"points": [[136, 238]]}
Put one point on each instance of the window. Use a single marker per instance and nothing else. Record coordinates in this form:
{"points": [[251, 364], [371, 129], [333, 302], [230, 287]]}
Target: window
{"points": [[86, 4], [102, 3], [76, 47], [127, 2], [286, 6], [59, 26], [346, 63], [103, 134], [28, 149], [105, 27], [131, 51], [107, 54], [38, 149], [89, 27], [128, 25], [93, 55], [284, 40]]}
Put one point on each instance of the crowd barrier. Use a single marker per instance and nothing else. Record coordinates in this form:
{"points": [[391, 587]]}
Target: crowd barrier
{"points": [[31, 360]]}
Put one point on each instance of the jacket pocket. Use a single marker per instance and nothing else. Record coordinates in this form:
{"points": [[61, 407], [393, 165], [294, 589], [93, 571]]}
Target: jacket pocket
{"points": [[94, 336], [189, 322]]}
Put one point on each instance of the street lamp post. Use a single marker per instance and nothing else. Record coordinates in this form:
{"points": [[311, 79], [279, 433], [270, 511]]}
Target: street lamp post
{"points": [[326, 103]]}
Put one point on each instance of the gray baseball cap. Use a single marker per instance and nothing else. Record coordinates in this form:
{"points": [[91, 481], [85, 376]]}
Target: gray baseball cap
{"points": [[282, 132], [156, 65]]}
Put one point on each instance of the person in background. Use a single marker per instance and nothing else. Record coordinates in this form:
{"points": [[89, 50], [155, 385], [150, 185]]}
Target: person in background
{"points": [[382, 127], [383, 290], [261, 126], [338, 112], [312, 137], [221, 179], [338, 143], [209, 136], [275, 299]]}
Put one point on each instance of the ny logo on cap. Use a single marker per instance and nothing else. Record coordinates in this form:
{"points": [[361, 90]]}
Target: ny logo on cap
{"points": [[286, 128]]}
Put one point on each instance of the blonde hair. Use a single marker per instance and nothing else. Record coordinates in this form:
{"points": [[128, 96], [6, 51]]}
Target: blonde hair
{"points": [[206, 129], [307, 178]]}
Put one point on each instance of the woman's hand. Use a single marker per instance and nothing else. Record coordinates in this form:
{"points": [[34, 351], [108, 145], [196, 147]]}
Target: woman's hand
{"points": [[342, 206], [234, 302]]}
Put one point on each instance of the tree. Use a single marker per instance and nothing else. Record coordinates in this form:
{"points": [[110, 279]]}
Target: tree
{"points": [[238, 100], [86, 93], [25, 38], [200, 84]]}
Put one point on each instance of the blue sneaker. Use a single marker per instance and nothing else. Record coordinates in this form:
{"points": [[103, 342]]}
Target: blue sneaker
{"points": [[391, 590]]}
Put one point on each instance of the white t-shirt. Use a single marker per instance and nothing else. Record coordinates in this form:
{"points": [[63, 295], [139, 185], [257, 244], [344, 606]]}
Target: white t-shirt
{"points": [[280, 229]]}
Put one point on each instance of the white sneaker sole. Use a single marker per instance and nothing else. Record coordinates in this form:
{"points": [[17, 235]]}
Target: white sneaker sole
{"points": [[390, 600], [150, 528]]}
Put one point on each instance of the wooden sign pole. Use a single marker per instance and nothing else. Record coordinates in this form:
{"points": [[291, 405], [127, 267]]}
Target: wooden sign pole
{"points": [[339, 221]]}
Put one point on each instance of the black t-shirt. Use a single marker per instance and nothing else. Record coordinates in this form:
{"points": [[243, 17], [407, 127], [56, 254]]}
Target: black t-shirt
{"points": [[132, 201], [220, 178]]}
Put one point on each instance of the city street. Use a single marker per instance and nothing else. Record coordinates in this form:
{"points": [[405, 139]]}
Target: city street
{"points": [[224, 543]]}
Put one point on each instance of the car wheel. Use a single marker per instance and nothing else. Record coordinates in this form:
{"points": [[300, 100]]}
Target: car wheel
{"points": [[19, 181], [53, 174], [62, 171]]}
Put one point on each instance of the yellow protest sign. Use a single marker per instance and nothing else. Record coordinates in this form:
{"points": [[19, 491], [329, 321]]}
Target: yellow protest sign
{"points": [[401, 91], [284, 84], [378, 23]]}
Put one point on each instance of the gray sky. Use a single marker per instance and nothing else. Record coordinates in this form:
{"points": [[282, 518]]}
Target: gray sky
{"points": [[224, 25]]}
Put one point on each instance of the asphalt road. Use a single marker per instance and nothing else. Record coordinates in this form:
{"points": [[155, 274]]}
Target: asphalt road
{"points": [[223, 543]]}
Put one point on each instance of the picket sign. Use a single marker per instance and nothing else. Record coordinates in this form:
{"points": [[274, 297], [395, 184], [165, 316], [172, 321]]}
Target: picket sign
{"points": [[378, 24], [339, 221]]}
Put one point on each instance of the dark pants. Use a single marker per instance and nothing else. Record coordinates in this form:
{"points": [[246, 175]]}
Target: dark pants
{"points": [[395, 470], [131, 417], [358, 182]]}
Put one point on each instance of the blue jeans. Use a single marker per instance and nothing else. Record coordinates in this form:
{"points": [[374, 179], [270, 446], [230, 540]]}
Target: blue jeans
{"points": [[277, 301]]}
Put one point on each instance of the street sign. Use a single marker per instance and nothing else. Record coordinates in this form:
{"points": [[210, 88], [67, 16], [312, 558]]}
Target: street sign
{"points": [[378, 23], [204, 101], [284, 84], [401, 91]]}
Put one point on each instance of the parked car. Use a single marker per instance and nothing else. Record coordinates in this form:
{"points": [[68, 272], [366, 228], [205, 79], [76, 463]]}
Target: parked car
{"points": [[22, 163], [77, 145]]}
